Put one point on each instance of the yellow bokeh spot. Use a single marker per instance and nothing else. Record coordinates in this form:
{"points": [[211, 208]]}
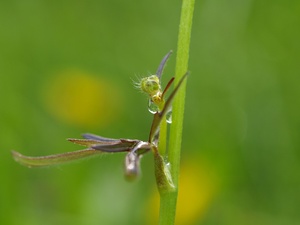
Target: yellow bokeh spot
{"points": [[197, 187], [82, 99]]}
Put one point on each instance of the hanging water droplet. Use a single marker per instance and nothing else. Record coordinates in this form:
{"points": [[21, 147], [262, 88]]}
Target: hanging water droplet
{"points": [[152, 107], [168, 164], [169, 116]]}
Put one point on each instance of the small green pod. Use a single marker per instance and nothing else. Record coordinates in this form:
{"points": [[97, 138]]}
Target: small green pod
{"points": [[150, 85]]}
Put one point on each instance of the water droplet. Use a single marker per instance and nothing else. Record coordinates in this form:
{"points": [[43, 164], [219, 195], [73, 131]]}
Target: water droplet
{"points": [[152, 107], [169, 116], [168, 164]]}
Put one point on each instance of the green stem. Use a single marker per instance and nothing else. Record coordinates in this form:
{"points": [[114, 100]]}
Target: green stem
{"points": [[168, 199], [167, 210], [163, 130], [162, 144]]}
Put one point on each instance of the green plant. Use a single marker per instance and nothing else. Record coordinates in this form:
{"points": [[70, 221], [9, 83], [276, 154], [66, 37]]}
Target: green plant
{"points": [[168, 199], [167, 160], [136, 148]]}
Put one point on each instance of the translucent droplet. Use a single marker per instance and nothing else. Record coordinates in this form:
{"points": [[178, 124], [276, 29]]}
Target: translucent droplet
{"points": [[169, 116], [168, 164], [152, 107]]}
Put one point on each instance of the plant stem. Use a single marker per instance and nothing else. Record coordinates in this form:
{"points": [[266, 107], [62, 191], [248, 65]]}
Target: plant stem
{"points": [[181, 68], [168, 199], [162, 144]]}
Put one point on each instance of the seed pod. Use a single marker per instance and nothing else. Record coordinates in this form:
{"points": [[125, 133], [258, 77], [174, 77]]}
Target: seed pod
{"points": [[132, 166]]}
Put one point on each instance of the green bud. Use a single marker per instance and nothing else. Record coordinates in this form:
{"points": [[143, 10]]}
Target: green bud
{"points": [[150, 85]]}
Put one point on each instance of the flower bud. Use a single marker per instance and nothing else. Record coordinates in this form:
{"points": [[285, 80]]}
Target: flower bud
{"points": [[150, 85]]}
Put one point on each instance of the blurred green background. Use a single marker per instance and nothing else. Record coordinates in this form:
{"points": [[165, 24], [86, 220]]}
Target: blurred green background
{"points": [[66, 67]]}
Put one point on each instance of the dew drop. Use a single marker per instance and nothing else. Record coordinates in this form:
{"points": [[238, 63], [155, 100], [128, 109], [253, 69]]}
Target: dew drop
{"points": [[168, 164], [169, 116], [152, 107]]}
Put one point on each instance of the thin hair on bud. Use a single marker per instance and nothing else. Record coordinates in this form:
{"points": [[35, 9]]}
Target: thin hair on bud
{"points": [[136, 81]]}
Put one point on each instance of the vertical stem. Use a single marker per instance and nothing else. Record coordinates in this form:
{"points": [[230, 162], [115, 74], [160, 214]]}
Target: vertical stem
{"points": [[162, 144], [182, 58], [167, 210], [168, 199]]}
